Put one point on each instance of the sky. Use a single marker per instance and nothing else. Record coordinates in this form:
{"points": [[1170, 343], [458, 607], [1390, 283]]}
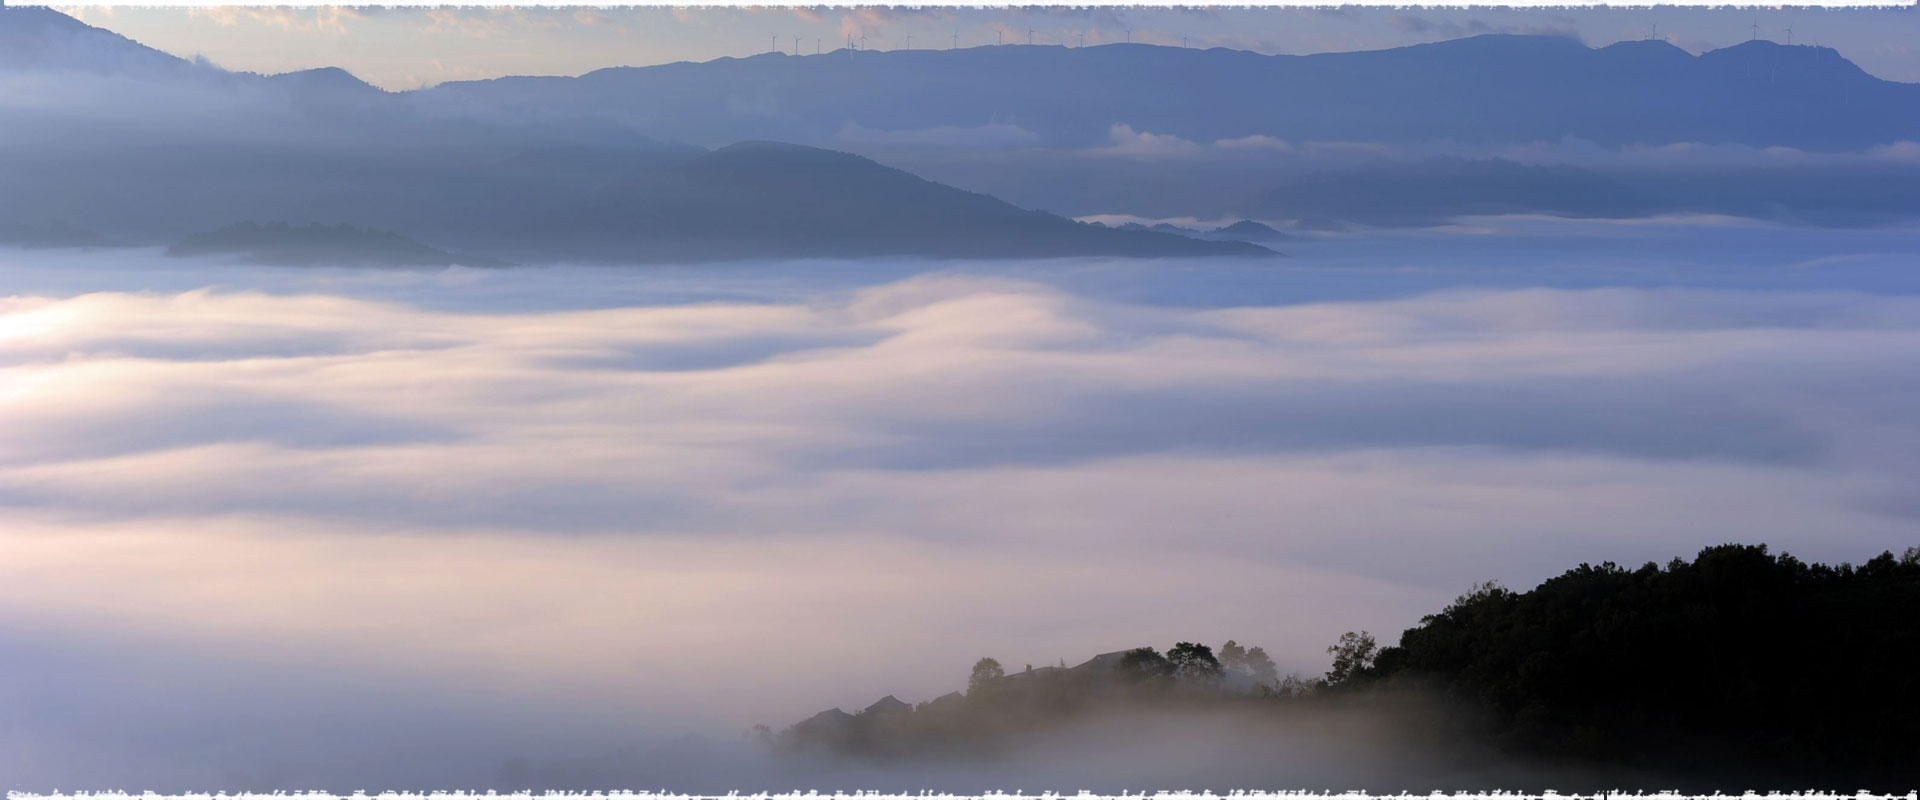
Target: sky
{"points": [[403, 48], [286, 528]]}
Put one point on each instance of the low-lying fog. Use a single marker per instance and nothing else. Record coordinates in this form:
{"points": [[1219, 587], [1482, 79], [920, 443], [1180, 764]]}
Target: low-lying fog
{"points": [[286, 528]]}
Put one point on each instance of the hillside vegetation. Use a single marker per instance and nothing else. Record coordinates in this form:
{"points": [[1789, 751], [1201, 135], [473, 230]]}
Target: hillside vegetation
{"points": [[1741, 665]]}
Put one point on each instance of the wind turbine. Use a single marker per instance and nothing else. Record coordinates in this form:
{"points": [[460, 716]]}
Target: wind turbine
{"points": [[1756, 31], [773, 43], [816, 45], [796, 45], [1655, 33], [909, 41], [956, 42], [1789, 34], [1029, 36], [1083, 38], [1129, 36], [999, 37]]}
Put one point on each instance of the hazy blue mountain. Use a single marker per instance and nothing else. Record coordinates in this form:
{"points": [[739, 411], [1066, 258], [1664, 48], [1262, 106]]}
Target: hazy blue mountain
{"points": [[1247, 230], [1438, 188], [319, 245], [769, 200], [332, 80], [146, 147], [1485, 89], [333, 90], [34, 38], [1406, 188], [323, 146], [612, 204]]}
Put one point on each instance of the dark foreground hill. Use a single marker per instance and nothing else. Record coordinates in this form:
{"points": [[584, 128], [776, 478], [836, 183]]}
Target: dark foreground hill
{"points": [[1743, 660], [1741, 669]]}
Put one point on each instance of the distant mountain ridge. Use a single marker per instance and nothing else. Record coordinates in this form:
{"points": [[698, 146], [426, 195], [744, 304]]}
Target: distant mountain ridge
{"points": [[1493, 88], [323, 146], [1486, 89], [636, 164]]}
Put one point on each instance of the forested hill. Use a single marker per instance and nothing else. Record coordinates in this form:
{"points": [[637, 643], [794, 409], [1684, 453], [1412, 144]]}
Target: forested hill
{"points": [[1741, 669], [1742, 659]]}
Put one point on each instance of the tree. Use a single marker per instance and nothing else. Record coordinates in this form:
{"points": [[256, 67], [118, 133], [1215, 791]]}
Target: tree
{"points": [[1248, 665], [1739, 661], [1194, 663], [1353, 654], [1144, 664], [1260, 667], [1233, 657], [1289, 687], [985, 672]]}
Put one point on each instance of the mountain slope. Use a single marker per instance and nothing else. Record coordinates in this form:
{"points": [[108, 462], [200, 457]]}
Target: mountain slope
{"points": [[1485, 89], [771, 200], [33, 38], [141, 146]]}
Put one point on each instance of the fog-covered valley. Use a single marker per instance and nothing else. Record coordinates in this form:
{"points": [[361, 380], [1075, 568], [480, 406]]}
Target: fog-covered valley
{"points": [[405, 527]]}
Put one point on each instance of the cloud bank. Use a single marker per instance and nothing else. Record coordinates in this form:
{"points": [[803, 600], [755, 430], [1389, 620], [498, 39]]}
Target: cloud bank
{"points": [[560, 530]]}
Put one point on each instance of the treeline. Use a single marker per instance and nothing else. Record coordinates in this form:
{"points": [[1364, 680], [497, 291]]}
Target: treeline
{"points": [[1741, 666], [999, 706], [1742, 662]]}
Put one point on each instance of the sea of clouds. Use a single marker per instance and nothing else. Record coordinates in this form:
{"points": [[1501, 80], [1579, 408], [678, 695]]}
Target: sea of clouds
{"points": [[282, 528]]}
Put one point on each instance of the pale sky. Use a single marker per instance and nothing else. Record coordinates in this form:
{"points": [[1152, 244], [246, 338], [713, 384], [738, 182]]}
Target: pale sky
{"points": [[401, 48]]}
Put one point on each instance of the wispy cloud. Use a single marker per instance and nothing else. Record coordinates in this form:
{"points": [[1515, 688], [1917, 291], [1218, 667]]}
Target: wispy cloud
{"points": [[320, 19], [544, 508]]}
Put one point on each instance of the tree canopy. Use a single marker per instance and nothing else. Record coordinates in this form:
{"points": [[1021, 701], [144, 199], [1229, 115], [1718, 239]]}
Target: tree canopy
{"points": [[1740, 663], [1741, 659]]}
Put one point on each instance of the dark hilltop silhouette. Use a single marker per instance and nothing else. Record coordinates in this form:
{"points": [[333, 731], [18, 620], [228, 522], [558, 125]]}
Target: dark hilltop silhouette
{"points": [[1739, 669]]}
